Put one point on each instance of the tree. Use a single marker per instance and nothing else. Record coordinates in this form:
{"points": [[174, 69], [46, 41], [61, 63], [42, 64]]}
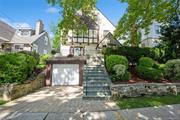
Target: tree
{"points": [[71, 12], [141, 13], [171, 39]]}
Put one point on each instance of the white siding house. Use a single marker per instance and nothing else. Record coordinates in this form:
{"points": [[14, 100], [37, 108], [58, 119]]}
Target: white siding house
{"points": [[87, 43], [152, 38]]}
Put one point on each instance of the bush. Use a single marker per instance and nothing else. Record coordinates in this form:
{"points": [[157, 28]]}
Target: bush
{"points": [[120, 70], [172, 69], [53, 52], [33, 54], [146, 62], [16, 67], [43, 59], [113, 60], [149, 73], [133, 54]]}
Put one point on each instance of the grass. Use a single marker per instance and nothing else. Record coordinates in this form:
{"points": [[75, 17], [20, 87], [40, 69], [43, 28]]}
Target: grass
{"points": [[2, 101], [147, 101]]}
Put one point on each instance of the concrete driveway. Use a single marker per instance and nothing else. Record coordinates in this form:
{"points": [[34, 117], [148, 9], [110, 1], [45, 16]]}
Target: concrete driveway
{"points": [[58, 103]]}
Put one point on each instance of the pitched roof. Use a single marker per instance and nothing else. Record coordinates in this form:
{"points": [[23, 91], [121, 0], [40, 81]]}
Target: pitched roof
{"points": [[25, 40], [6, 31], [8, 34]]}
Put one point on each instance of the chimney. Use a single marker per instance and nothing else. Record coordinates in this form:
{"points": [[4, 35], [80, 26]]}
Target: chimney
{"points": [[39, 27]]}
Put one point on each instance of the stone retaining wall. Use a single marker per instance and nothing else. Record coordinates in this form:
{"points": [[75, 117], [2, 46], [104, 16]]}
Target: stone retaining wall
{"points": [[23, 89], [141, 89]]}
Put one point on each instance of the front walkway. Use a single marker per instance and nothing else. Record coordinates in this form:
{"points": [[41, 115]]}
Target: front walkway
{"points": [[65, 103], [61, 103]]}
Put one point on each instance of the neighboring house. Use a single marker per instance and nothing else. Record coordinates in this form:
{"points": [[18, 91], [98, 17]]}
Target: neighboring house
{"points": [[24, 39], [152, 38], [95, 38]]}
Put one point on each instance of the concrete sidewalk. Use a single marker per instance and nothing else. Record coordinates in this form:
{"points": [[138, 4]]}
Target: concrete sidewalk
{"points": [[66, 103], [168, 112]]}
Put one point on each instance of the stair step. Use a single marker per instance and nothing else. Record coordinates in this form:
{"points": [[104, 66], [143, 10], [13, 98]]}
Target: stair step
{"points": [[96, 81], [95, 77], [96, 89], [95, 98], [95, 84], [98, 93]]}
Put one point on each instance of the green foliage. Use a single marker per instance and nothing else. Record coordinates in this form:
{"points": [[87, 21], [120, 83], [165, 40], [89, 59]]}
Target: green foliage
{"points": [[16, 67], [172, 70], [113, 60], [33, 54], [141, 14], [133, 54], [71, 15], [43, 59], [146, 62], [170, 39], [120, 70], [149, 73]]}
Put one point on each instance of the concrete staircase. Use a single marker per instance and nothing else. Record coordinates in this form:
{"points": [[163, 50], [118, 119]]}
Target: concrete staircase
{"points": [[96, 83]]}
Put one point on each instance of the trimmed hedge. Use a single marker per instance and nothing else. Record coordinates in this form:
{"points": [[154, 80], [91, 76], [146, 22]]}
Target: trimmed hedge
{"points": [[149, 73], [172, 69], [16, 67], [146, 61], [133, 54], [113, 60]]}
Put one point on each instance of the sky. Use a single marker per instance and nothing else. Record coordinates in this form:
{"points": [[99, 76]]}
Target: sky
{"points": [[25, 13]]}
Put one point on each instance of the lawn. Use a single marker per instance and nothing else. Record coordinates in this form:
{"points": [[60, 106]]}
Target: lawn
{"points": [[147, 101], [2, 102]]}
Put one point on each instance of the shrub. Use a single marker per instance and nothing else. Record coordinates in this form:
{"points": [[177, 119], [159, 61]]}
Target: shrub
{"points": [[146, 62], [16, 67], [33, 54], [119, 70], [172, 69], [113, 60], [133, 54], [53, 52], [43, 59], [121, 73], [149, 73]]}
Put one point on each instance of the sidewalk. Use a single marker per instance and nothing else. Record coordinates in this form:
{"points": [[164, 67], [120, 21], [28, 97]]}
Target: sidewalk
{"points": [[168, 112]]}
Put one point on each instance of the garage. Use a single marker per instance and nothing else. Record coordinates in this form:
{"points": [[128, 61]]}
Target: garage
{"points": [[64, 71], [65, 74]]}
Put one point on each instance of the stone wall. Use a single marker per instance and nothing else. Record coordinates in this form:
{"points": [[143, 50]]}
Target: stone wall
{"points": [[23, 89], [141, 89]]}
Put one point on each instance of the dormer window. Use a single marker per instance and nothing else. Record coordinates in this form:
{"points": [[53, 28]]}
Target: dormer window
{"points": [[46, 40]]}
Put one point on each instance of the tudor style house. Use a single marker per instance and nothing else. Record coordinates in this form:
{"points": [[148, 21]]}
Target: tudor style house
{"points": [[99, 35], [24, 39]]}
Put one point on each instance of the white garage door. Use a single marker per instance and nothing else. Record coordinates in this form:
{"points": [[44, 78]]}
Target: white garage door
{"points": [[65, 74]]}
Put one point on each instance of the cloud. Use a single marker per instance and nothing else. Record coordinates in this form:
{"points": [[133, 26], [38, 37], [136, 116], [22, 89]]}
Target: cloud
{"points": [[15, 24], [51, 35], [52, 10], [21, 25]]}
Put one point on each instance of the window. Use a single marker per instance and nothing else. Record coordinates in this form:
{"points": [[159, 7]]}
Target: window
{"points": [[17, 47], [45, 52], [46, 40], [157, 29], [25, 33]]}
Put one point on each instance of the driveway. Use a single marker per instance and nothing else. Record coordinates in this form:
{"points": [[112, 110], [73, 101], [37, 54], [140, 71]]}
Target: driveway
{"points": [[58, 103]]}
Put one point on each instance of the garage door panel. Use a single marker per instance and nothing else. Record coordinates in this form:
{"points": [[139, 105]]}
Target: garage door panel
{"points": [[65, 74]]}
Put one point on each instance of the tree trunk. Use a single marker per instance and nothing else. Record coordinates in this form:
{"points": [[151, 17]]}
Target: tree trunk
{"points": [[134, 35]]}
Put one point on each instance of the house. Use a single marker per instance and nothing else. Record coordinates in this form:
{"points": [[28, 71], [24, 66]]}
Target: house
{"points": [[63, 70], [99, 34], [24, 39], [152, 38]]}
